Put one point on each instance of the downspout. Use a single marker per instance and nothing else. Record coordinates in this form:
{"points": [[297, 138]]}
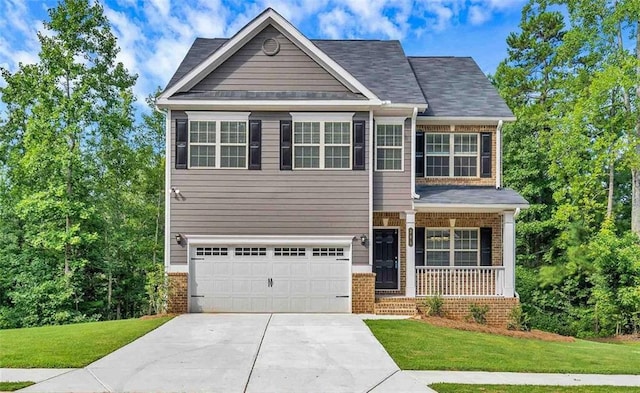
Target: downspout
{"points": [[413, 149], [167, 185], [499, 155], [371, 154]]}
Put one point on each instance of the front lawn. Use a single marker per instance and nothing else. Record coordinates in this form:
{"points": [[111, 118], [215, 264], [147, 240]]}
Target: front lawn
{"points": [[461, 388], [69, 346], [416, 345], [11, 386]]}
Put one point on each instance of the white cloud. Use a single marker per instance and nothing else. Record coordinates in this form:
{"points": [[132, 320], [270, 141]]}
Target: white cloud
{"points": [[478, 15]]}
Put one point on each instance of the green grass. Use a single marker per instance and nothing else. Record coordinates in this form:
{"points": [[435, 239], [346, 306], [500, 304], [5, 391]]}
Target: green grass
{"points": [[69, 345], [11, 386], [418, 346], [460, 388]]}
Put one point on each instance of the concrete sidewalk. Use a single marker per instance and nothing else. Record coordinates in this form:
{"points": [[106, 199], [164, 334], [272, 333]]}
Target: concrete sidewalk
{"points": [[31, 374], [497, 378]]}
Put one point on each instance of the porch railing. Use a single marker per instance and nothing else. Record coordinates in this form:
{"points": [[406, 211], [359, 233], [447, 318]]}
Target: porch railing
{"points": [[460, 281]]}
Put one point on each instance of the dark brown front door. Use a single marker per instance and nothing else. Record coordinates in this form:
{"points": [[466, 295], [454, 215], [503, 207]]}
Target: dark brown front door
{"points": [[385, 257]]}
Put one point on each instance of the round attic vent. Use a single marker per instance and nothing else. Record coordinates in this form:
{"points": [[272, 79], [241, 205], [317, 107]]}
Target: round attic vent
{"points": [[270, 46]]}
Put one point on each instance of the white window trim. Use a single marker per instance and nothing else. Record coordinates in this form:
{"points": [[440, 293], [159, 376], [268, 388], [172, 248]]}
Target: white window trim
{"points": [[389, 121], [452, 155], [217, 117], [321, 118], [452, 244]]}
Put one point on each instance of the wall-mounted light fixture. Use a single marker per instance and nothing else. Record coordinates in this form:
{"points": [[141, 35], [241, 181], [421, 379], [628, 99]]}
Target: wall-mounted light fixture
{"points": [[363, 239], [175, 191], [179, 239]]}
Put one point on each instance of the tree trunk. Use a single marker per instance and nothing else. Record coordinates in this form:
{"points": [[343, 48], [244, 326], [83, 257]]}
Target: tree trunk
{"points": [[611, 186]]}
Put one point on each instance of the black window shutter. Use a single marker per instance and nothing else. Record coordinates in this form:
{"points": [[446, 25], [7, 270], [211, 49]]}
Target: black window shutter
{"points": [[358, 145], [485, 155], [419, 241], [419, 154], [255, 144], [285, 145], [181, 143], [485, 246]]}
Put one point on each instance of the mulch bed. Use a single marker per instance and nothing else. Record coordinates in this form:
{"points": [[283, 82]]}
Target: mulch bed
{"points": [[474, 327]]}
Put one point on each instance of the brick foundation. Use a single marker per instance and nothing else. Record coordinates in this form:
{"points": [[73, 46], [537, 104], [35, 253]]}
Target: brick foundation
{"points": [[363, 293], [177, 294], [458, 308]]}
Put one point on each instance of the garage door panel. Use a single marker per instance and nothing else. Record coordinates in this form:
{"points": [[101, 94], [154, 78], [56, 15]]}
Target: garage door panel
{"points": [[305, 279]]}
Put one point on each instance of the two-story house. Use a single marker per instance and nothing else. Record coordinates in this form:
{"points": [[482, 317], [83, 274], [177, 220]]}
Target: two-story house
{"points": [[333, 176]]}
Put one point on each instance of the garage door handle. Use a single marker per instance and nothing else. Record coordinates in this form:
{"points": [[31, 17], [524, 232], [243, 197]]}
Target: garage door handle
{"points": [[343, 296], [342, 259], [197, 295]]}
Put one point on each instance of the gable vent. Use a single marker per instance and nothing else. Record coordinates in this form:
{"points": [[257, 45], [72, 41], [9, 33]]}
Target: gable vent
{"points": [[270, 46]]}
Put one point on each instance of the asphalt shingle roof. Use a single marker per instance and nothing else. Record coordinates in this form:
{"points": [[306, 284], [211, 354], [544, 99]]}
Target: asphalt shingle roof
{"points": [[268, 95], [455, 86], [468, 195]]}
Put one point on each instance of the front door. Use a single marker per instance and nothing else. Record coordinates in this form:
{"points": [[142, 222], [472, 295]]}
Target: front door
{"points": [[385, 256]]}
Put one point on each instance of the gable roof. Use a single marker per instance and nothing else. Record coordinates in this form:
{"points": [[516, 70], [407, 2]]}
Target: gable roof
{"points": [[380, 65], [228, 48], [455, 86]]}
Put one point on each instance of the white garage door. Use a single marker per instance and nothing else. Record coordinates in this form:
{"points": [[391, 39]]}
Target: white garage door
{"points": [[270, 279]]}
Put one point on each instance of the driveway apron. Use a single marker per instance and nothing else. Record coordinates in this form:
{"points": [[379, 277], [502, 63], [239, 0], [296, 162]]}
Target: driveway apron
{"points": [[240, 353]]}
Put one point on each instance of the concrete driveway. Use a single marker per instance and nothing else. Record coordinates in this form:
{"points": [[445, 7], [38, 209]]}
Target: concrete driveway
{"points": [[244, 353]]}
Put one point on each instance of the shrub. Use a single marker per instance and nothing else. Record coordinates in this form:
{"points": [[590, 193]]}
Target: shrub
{"points": [[434, 306], [478, 313], [518, 319]]}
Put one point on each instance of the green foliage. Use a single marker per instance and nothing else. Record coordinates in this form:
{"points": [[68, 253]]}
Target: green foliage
{"points": [[463, 388], [12, 386], [434, 306], [478, 313], [518, 320]]}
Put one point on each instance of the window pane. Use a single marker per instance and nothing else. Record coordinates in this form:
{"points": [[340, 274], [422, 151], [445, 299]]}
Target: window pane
{"points": [[233, 156], [389, 135], [233, 132], [466, 247], [389, 159], [466, 258], [464, 166], [437, 240], [438, 166], [202, 156], [202, 131], [437, 258], [306, 157], [437, 143], [466, 143], [337, 133], [306, 132], [336, 156]]}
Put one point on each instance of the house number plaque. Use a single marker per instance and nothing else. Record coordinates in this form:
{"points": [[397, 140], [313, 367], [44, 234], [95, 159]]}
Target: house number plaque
{"points": [[410, 237]]}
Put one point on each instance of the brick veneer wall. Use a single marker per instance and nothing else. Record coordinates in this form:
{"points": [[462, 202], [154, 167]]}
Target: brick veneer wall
{"points": [[177, 294], [363, 295], [395, 222], [458, 308], [467, 220], [462, 181]]}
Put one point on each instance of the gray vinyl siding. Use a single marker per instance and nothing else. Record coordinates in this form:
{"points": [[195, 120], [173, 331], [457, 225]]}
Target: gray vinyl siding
{"points": [[268, 201], [250, 69], [392, 190]]}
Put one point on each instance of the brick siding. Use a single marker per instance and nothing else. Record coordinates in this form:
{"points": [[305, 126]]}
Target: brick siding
{"points": [[458, 308], [363, 293], [462, 181], [177, 296]]}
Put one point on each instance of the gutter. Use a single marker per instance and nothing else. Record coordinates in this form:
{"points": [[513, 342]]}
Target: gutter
{"points": [[413, 149], [499, 155]]}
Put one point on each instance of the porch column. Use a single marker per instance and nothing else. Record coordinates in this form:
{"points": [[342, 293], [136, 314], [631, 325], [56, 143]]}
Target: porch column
{"points": [[410, 282], [509, 252]]}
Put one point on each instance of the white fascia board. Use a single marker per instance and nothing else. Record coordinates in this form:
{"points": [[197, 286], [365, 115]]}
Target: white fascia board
{"points": [[211, 115], [440, 120], [270, 240], [196, 104], [250, 31], [321, 116], [465, 208], [388, 120]]}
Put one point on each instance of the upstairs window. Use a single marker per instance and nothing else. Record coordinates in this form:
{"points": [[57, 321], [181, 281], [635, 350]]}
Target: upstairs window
{"points": [[389, 144], [322, 141], [218, 140], [451, 155]]}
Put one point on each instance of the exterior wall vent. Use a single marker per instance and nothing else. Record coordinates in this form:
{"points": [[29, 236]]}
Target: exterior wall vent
{"points": [[270, 46]]}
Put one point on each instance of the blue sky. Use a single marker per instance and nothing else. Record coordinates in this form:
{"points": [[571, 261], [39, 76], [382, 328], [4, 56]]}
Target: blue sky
{"points": [[154, 35]]}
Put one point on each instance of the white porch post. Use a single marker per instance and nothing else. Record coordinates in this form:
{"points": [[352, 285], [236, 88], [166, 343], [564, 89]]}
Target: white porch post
{"points": [[410, 286], [509, 252]]}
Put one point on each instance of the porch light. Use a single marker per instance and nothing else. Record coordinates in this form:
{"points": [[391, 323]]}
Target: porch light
{"points": [[179, 239], [363, 239]]}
